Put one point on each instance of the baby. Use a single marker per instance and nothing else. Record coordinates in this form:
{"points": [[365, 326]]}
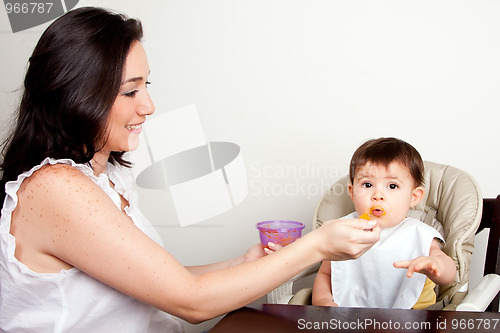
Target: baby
{"points": [[386, 180]]}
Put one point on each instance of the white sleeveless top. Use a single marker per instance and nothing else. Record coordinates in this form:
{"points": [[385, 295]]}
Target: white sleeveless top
{"points": [[72, 301], [372, 280]]}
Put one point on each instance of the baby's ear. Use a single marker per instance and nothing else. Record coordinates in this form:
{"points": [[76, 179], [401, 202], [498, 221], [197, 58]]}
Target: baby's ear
{"points": [[416, 196]]}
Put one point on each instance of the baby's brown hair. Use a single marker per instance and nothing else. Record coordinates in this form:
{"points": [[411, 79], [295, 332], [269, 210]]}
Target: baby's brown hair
{"points": [[384, 151]]}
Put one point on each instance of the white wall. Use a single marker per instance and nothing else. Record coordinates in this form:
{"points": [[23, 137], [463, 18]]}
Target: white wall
{"points": [[300, 84]]}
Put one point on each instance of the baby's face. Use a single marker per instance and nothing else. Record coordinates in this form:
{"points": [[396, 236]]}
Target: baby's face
{"points": [[384, 193]]}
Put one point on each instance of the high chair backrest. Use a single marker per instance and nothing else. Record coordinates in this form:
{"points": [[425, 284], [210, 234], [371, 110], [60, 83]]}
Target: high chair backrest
{"points": [[452, 197], [491, 220]]}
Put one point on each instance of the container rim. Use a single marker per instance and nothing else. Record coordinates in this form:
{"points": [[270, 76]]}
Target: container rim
{"points": [[287, 225]]}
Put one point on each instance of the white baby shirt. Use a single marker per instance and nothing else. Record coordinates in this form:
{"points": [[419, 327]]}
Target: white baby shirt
{"points": [[70, 300], [372, 280]]}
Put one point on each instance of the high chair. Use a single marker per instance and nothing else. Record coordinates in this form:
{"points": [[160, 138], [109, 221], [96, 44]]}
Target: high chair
{"points": [[482, 297], [452, 204]]}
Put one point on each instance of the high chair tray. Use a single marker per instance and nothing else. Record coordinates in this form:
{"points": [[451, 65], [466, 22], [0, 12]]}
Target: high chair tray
{"points": [[274, 318]]}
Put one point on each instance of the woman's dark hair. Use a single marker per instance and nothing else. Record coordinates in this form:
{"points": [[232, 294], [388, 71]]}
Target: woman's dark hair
{"points": [[384, 151], [72, 81]]}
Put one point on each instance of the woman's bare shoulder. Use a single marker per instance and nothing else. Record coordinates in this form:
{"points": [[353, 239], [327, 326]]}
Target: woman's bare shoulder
{"points": [[55, 175], [58, 170], [50, 201], [55, 184]]}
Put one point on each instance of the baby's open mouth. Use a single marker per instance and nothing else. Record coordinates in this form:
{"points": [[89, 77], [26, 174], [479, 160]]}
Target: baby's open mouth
{"points": [[377, 211]]}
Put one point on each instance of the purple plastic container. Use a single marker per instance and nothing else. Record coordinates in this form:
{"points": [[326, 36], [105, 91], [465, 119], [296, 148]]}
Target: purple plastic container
{"points": [[279, 232]]}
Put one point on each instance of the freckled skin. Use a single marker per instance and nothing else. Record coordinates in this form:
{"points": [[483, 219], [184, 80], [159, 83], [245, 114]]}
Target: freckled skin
{"points": [[81, 227], [28, 222]]}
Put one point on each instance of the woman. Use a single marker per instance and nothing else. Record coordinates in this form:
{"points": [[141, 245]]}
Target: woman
{"points": [[74, 255]]}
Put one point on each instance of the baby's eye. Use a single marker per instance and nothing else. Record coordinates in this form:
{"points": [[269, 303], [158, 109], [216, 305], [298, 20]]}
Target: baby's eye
{"points": [[367, 185], [393, 186]]}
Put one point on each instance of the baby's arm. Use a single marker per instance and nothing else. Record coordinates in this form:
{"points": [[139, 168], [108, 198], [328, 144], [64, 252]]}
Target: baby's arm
{"points": [[322, 288], [437, 266]]}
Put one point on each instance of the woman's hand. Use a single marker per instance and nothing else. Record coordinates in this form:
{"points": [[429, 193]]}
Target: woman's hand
{"points": [[272, 247], [347, 239], [352, 238], [253, 253]]}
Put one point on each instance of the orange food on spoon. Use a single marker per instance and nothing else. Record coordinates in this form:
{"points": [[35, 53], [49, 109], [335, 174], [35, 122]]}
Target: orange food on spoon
{"points": [[365, 217]]}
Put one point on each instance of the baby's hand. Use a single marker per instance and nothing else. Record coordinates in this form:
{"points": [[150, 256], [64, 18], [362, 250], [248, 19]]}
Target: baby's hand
{"points": [[272, 247], [424, 265]]}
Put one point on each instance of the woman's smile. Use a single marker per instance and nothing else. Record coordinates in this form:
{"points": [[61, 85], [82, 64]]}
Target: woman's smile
{"points": [[136, 129]]}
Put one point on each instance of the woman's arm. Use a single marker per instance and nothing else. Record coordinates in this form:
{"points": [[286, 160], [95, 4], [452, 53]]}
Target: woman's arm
{"points": [[76, 222], [253, 253]]}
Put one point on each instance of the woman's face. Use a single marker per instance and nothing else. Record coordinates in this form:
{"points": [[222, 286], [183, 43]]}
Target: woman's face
{"points": [[132, 104]]}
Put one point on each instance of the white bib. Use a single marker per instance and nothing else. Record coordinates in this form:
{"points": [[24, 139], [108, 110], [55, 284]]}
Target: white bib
{"points": [[372, 280]]}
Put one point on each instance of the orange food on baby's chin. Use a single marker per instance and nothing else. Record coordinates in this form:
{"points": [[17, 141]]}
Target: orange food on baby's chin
{"points": [[365, 217]]}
